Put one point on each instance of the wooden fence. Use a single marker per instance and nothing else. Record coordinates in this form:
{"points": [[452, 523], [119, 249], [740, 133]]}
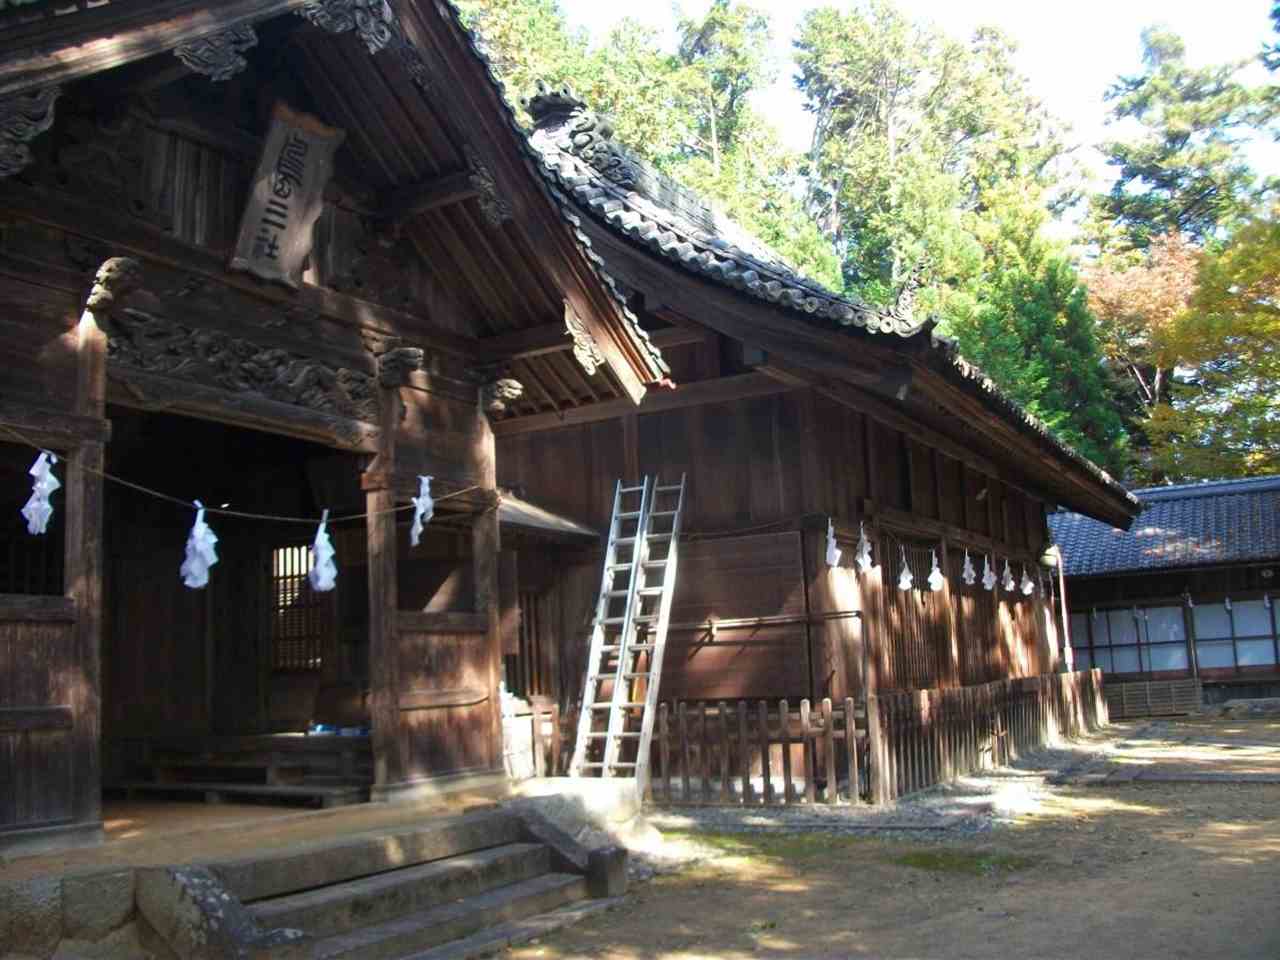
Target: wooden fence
{"points": [[766, 752], [922, 737], [758, 753]]}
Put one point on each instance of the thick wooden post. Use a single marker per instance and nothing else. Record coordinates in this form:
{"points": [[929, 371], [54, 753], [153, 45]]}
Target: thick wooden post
{"points": [[384, 649], [84, 562], [876, 761], [485, 546]]}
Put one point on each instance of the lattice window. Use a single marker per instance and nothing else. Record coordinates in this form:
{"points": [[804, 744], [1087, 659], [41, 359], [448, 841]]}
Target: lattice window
{"points": [[300, 618], [524, 670]]}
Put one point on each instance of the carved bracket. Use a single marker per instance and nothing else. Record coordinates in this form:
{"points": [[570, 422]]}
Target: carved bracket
{"points": [[585, 349], [395, 365], [494, 207], [498, 388], [218, 56], [372, 20], [23, 117]]}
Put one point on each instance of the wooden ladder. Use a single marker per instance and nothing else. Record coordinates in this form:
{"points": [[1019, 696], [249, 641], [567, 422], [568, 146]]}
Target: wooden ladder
{"points": [[624, 664]]}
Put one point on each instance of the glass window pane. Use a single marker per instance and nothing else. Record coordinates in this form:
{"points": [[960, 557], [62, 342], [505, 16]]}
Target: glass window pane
{"points": [[1217, 654], [1102, 659], [1079, 630], [1123, 629], [1125, 660], [1101, 636], [1255, 653], [1081, 659], [1252, 618], [1211, 621], [1165, 625], [1168, 657]]}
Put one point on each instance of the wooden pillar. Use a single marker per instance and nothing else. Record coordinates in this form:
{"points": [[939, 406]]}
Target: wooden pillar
{"points": [[84, 560], [485, 547], [384, 648]]}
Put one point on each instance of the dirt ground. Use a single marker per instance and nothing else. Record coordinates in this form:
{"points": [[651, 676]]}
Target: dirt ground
{"points": [[1096, 867]]}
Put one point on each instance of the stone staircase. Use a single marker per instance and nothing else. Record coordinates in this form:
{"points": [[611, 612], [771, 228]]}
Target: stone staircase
{"points": [[453, 888]]}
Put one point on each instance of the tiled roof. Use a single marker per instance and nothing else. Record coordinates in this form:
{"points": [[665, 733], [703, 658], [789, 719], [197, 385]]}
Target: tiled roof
{"points": [[1233, 521], [614, 186]]}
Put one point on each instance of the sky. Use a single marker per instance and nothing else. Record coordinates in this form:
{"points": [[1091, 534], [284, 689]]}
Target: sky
{"points": [[1070, 52]]}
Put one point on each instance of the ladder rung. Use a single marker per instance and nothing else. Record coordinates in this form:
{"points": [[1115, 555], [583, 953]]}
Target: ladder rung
{"points": [[610, 648], [636, 676], [629, 515], [659, 536], [633, 489], [609, 703], [596, 765], [654, 563], [669, 488], [649, 592], [602, 736], [611, 620], [664, 513], [646, 618]]}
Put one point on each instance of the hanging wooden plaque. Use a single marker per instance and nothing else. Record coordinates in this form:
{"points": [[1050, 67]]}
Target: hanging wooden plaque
{"points": [[286, 196]]}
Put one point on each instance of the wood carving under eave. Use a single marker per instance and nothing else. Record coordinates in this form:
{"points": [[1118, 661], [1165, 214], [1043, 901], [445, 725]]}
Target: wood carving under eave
{"points": [[218, 56], [142, 337], [395, 365], [585, 349], [23, 117], [495, 209], [372, 20]]}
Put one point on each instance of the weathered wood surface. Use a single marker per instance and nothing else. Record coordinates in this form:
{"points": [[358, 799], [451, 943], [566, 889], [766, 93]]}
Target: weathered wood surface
{"points": [[759, 753]]}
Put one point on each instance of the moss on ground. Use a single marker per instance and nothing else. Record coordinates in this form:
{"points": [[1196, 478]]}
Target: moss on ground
{"points": [[979, 863]]}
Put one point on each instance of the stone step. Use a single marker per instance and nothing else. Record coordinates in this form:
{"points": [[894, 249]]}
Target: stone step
{"points": [[308, 866], [341, 907], [405, 936], [494, 939]]}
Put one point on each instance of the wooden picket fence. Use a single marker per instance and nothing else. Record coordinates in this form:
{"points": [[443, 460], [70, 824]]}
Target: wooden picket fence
{"points": [[770, 753], [758, 753], [922, 737]]}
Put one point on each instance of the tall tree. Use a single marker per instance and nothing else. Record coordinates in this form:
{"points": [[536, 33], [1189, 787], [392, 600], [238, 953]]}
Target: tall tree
{"points": [[726, 53], [932, 159], [1224, 414], [1185, 170]]}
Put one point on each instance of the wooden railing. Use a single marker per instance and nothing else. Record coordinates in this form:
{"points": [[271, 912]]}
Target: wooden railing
{"points": [[770, 753], [758, 753], [922, 737]]}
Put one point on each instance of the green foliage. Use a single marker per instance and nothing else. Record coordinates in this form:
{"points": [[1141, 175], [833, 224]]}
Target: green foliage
{"points": [[931, 158], [1224, 416], [1186, 170]]}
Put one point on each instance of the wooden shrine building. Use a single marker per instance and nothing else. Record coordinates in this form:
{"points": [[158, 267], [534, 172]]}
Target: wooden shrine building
{"points": [[287, 256]]}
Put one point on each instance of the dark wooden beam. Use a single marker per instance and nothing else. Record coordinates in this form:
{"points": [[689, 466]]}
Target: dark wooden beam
{"points": [[405, 203], [26, 719], [56, 210], [694, 394], [879, 409], [60, 49], [552, 338]]}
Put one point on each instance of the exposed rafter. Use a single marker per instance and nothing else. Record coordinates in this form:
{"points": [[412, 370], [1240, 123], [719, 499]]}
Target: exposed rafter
{"points": [[404, 203], [552, 338]]}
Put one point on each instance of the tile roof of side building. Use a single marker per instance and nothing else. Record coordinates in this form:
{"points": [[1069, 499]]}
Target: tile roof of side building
{"points": [[1199, 524], [610, 183]]}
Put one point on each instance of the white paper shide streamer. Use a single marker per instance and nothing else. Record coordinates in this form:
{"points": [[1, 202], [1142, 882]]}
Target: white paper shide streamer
{"points": [[935, 573], [1028, 585], [324, 572], [424, 509], [906, 580], [38, 509], [1006, 581], [833, 551], [202, 552], [862, 558], [988, 575], [968, 574]]}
